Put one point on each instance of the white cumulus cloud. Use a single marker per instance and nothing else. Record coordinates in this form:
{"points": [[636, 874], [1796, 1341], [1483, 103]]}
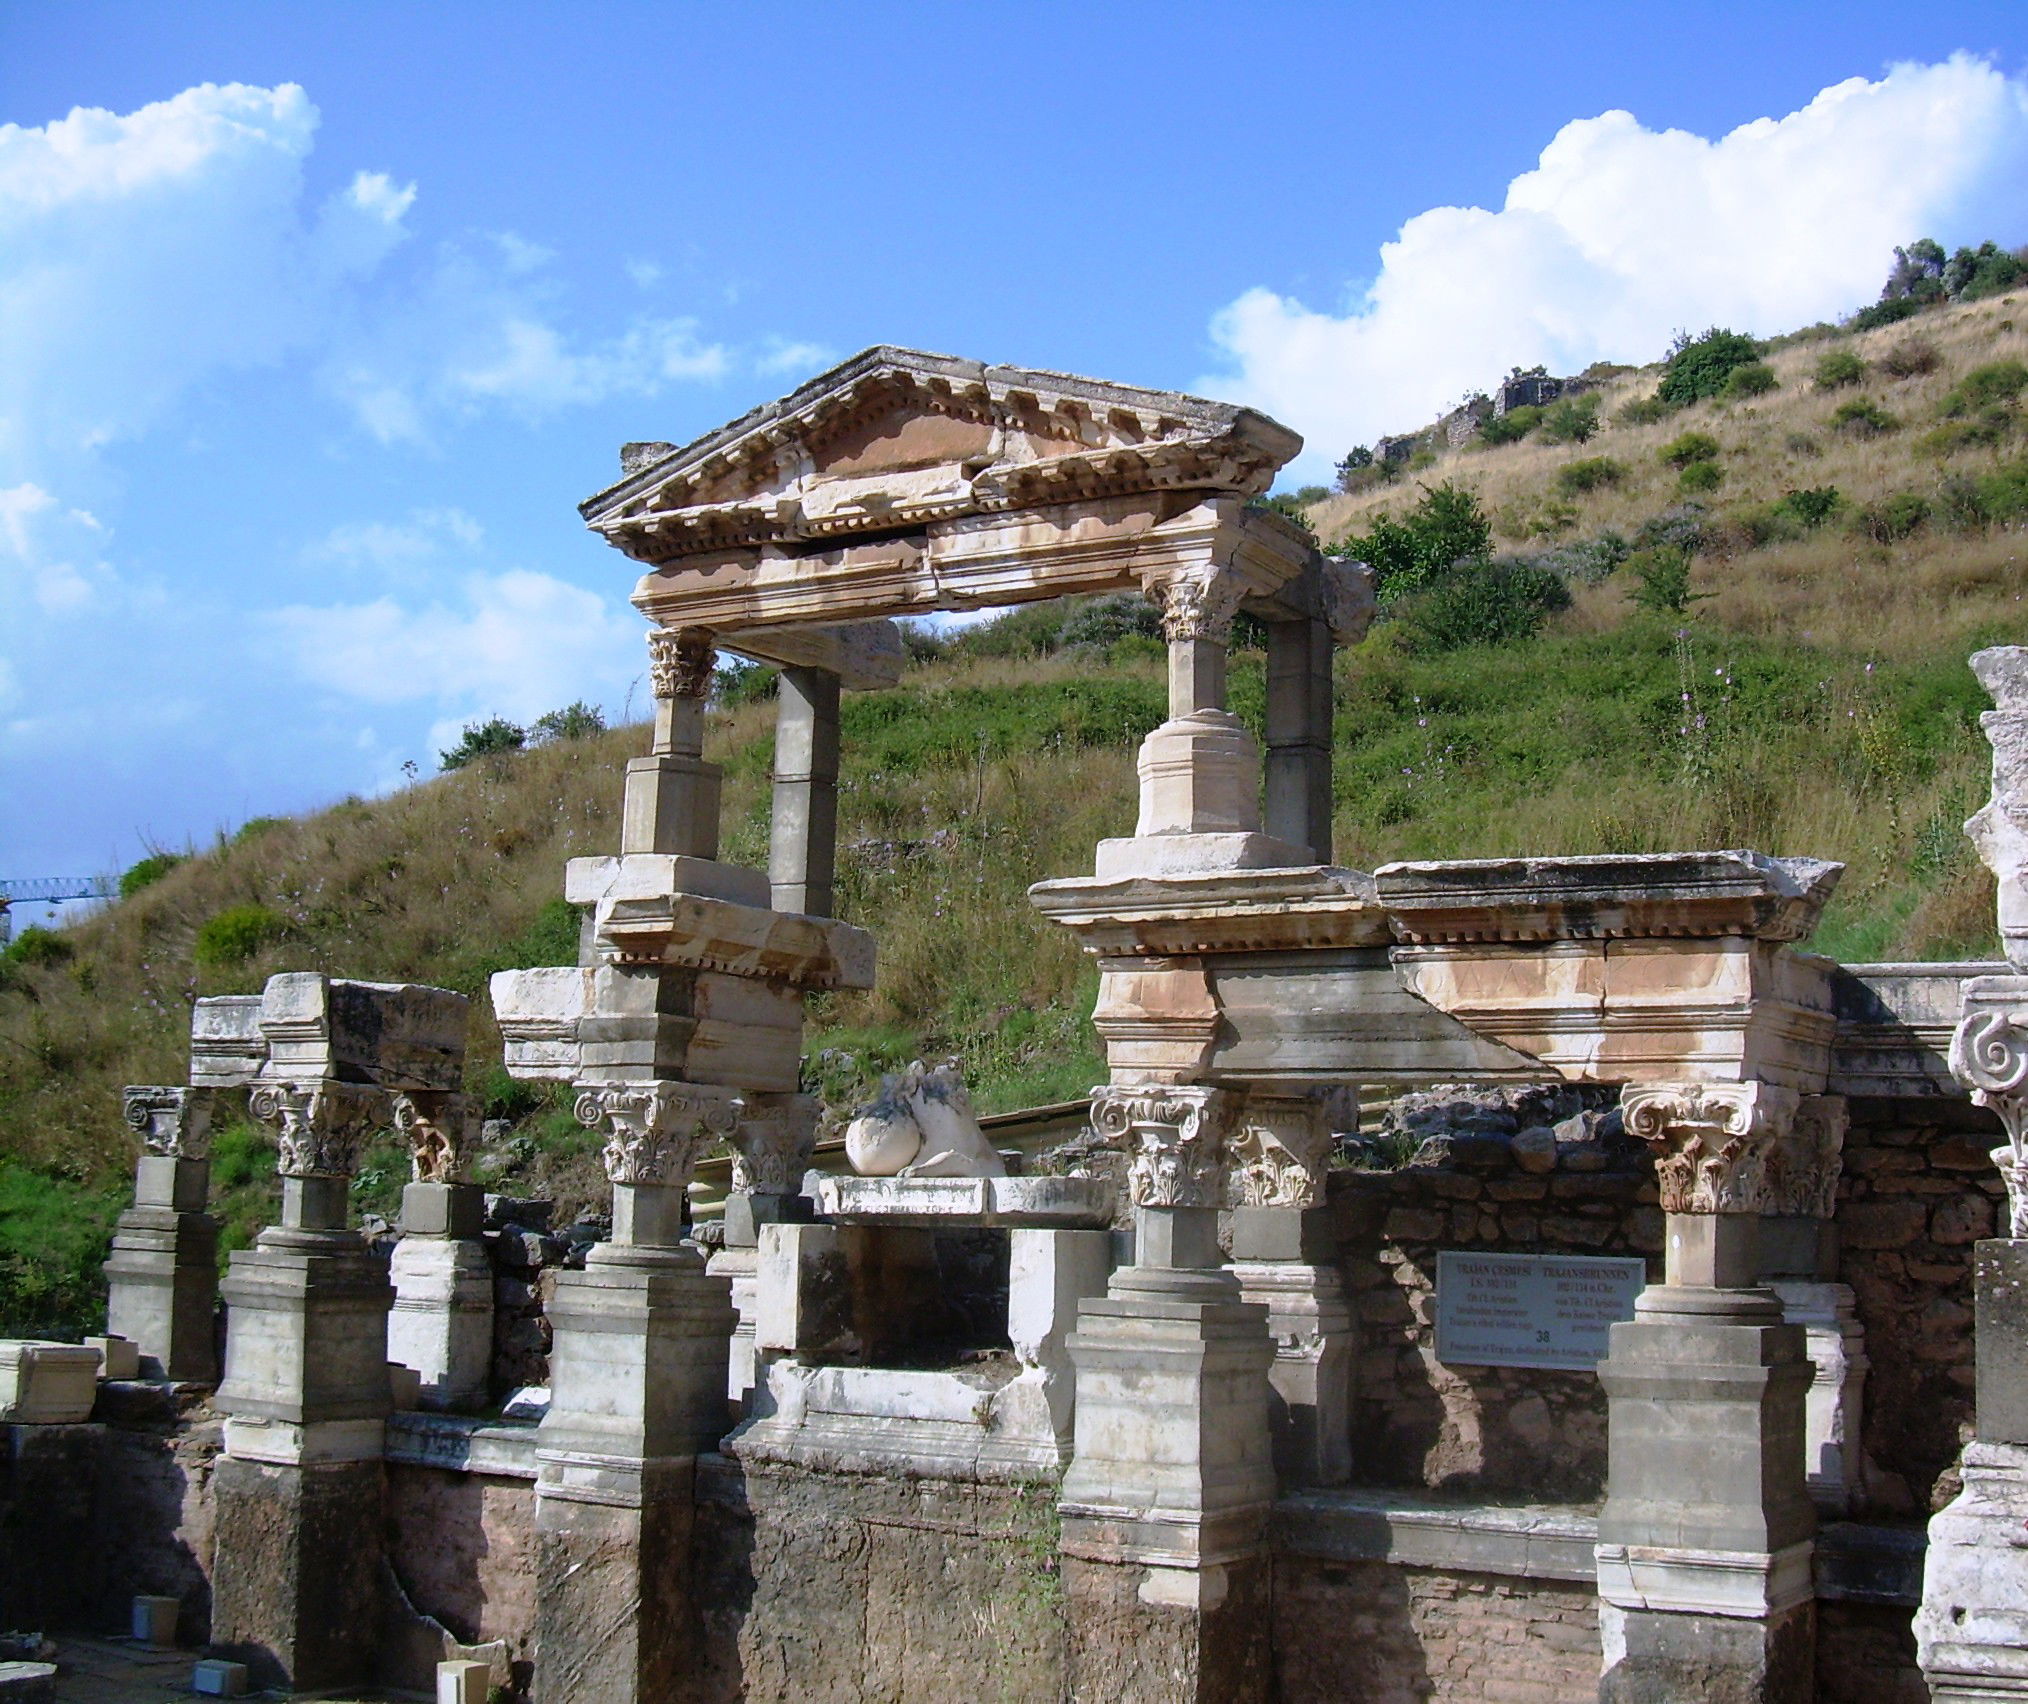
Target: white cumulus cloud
{"points": [[1622, 235]]}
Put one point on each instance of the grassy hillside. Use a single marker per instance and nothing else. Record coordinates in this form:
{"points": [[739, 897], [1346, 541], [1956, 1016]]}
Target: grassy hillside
{"points": [[1815, 700]]}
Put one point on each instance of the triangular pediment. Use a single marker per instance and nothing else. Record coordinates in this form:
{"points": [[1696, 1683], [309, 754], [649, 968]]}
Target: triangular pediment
{"points": [[898, 438]]}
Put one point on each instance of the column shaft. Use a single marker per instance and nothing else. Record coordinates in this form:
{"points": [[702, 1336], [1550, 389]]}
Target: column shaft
{"points": [[1298, 798], [803, 842]]}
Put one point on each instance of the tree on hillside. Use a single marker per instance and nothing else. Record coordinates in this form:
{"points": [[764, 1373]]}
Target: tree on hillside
{"points": [[1917, 274], [484, 739], [1445, 528], [1699, 366]]}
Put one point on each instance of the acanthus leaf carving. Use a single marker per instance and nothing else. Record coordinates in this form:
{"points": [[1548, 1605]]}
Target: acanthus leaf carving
{"points": [[1710, 1141], [1279, 1153], [1199, 604], [1989, 1055], [657, 1130], [1174, 1137], [771, 1143], [1804, 1164], [680, 662], [173, 1122], [319, 1127], [440, 1127]]}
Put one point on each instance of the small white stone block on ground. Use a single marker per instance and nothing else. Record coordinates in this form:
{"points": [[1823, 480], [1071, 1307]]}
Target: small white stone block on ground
{"points": [[217, 1678], [120, 1357], [27, 1683], [47, 1384], [155, 1619], [463, 1682]]}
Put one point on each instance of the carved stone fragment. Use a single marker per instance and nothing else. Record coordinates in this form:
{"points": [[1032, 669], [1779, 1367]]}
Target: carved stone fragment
{"points": [[173, 1122], [1711, 1141], [320, 1127], [440, 1127], [680, 662], [1174, 1138], [1279, 1152], [771, 1143], [1989, 1055], [2000, 828], [658, 1130], [1803, 1166]]}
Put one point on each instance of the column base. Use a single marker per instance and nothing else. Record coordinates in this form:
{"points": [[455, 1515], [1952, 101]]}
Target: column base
{"points": [[306, 1331], [162, 1291], [295, 1591], [1309, 1385], [1971, 1633], [1833, 1407], [442, 1323]]}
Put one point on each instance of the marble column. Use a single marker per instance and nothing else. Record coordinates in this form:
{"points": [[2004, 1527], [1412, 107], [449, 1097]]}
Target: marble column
{"points": [[803, 835], [638, 1376], [672, 794], [442, 1323], [1285, 1256], [1971, 1632], [1706, 1537], [162, 1277], [296, 1591], [1165, 1502]]}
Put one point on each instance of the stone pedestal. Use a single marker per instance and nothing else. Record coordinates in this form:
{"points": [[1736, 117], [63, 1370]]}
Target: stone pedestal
{"points": [[442, 1323], [1834, 1408], [162, 1276], [638, 1388], [1284, 1260], [1705, 1540]]}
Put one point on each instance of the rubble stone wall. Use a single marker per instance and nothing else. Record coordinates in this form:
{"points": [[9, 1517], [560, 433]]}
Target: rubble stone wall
{"points": [[1866, 1655], [1386, 1634], [462, 1546], [1919, 1189], [1493, 1174]]}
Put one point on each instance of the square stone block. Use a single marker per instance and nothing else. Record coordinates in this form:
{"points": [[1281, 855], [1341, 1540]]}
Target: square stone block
{"points": [[47, 1384], [442, 1210], [155, 1620], [119, 1357], [463, 1682], [227, 1048], [180, 1185], [400, 1035], [216, 1678]]}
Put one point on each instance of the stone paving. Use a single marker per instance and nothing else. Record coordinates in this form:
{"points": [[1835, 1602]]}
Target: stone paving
{"points": [[118, 1671]]}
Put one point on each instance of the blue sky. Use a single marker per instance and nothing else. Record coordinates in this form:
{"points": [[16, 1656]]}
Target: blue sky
{"points": [[317, 321]]}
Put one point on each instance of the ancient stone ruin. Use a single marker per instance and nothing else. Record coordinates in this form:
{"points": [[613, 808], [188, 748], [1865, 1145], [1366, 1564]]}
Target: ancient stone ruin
{"points": [[1623, 1359]]}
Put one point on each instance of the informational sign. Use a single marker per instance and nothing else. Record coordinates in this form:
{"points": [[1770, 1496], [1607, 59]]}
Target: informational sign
{"points": [[1532, 1310]]}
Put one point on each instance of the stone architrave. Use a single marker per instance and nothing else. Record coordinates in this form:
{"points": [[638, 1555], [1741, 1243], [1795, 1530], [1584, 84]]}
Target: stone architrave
{"points": [[442, 1323], [1285, 1256], [162, 1274], [638, 1382], [1706, 1537], [1165, 1501], [1971, 1631]]}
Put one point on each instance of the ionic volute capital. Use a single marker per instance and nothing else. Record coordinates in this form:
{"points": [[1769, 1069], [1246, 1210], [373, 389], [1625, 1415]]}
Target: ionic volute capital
{"points": [[441, 1129], [1174, 1139], [1711, 1141], [320, 1127], [680, 662], [1989, 1055], [771, 1143], [173, 1122], [657, 1131]]}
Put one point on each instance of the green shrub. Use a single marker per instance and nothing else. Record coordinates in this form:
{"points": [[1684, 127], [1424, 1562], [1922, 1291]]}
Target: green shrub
{"points": [[1511, 427], [1959, 506], [1645, 411], [1994, 384], [1972, 275], [234, 935], [1690, 447], [1885, 313], [1701, 476], [1698, 368], [1446, 527], [1862, 417], [1105, 621], [1312, 493], [254, 827], [1892, 518], [147, 872], [1588, 475], [745, 683], [2004, 495], [1751, 378], [1483, 603], [1838, 368], [1573, 420], [1662, 580], [575, 721], [53, 1236], [1027, 630], [1991, 427], [39, 948], [1911, 358], [483, 739], [1813, 506]]}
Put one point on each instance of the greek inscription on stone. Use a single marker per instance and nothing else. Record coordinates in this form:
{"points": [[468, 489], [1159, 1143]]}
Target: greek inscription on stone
{"points": [[1532, 1310]]}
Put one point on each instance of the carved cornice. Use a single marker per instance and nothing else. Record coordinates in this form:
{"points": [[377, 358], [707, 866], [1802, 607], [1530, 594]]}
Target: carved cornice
{"points": [[657, 1130], [320, 1126], [1279, 1153], [680, 662], [1803, 1166], [173, 1122], [1199, 604], [771, 1143], [1711, 1141], [1174, 1138], [440, 1127]]}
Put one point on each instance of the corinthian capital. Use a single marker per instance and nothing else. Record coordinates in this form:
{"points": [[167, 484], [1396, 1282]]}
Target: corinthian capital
{"points": [[173, 1122], [1711, 1141], [680, 662], [1278, 1155], [658, 1131], [439, 1126], [319, 1126], [1198, 603], [1989, 1055], [1174, 1139], [1804, 1165], [771, 1143]]}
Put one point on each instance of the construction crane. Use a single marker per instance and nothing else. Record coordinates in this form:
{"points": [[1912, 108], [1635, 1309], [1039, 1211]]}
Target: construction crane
{"points": [[48, 890]]}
